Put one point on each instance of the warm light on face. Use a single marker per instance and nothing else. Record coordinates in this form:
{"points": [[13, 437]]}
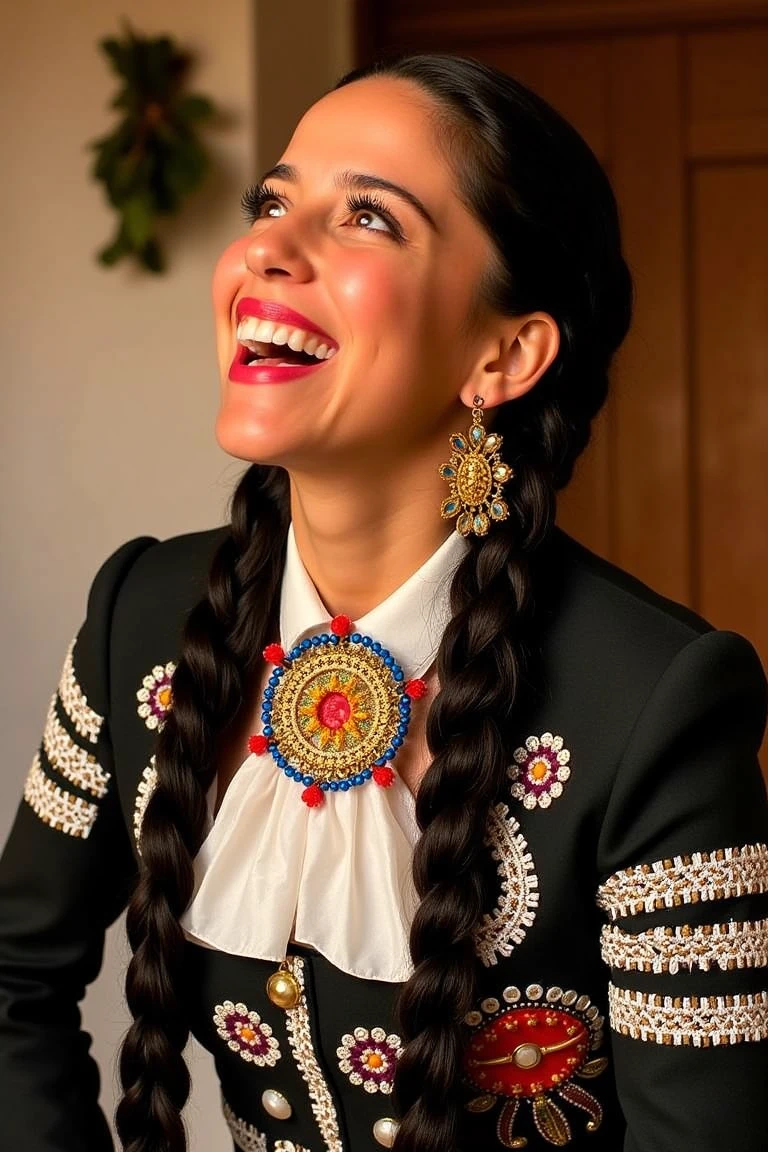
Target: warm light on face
{"points": [[360, 234]]}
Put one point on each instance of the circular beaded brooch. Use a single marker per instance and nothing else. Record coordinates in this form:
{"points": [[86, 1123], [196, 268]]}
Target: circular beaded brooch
{"points": [[335, 711]]}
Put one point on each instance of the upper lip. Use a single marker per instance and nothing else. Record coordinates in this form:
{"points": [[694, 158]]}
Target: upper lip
{"points": [[280, 314]]}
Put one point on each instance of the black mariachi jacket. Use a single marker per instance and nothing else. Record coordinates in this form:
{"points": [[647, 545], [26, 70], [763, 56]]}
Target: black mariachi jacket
{"points": [[622, 972]]}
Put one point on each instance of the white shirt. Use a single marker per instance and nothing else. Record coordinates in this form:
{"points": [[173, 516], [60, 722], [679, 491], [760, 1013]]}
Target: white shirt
{"points": [[336, 877]]}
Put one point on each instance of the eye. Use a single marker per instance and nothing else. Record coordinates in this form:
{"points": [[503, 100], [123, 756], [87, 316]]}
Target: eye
{"points": [[373, 215], [261, 201]]}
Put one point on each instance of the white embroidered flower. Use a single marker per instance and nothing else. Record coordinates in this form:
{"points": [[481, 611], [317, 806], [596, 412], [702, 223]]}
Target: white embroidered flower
{"points": [[154, 696], [539, 771]]}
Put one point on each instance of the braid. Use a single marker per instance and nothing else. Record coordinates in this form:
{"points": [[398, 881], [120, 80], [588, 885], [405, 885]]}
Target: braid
{"points": [[223, 639], [483, 667]]}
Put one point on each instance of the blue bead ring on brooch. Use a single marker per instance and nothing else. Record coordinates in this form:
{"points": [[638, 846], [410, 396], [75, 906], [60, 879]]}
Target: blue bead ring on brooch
{"points": [[335, 711]]}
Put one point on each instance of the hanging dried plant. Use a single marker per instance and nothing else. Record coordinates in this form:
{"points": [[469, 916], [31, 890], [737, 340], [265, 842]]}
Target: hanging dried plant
{"points": [[153, 158]]}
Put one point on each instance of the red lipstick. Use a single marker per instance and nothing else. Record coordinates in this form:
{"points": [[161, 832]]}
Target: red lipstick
{"points": [[242, 373]]}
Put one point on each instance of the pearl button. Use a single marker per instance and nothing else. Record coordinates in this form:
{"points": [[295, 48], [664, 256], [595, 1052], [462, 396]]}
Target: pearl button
{"points": [[385, 1130], [276, 1104]]}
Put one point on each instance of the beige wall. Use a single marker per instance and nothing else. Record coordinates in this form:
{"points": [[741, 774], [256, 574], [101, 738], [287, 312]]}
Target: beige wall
{"points": [[108, 377]]}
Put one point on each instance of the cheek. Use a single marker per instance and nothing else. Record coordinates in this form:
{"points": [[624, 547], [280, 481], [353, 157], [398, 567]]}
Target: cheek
{"points": [[374, 292]]}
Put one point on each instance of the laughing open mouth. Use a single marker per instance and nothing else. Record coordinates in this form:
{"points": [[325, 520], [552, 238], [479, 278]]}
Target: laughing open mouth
{"points": [[265, 342]]}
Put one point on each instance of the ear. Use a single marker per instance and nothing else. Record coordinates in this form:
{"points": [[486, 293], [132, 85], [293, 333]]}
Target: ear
{"points": [[508, 370]]}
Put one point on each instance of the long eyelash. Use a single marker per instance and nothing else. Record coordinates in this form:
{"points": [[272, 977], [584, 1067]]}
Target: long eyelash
{"points": [[254, 197], [370, 202]]}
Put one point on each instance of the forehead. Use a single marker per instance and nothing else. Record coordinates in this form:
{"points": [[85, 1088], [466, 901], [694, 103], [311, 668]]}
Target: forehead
{"points": [[382, 125]]}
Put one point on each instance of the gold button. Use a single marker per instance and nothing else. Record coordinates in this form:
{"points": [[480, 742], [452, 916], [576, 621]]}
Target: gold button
{"points": [[284, 989], [385, 1130], [275, 1104]]}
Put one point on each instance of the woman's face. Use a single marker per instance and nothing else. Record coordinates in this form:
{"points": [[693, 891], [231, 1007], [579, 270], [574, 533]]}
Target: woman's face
{"points": [[358, 243]]}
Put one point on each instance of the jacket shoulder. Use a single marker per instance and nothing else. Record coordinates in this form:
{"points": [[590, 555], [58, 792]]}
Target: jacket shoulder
{"points": [[171, 572], [611, 601]]}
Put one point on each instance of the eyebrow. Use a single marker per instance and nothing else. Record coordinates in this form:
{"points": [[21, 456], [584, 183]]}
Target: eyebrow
{"points": [[360, 182]]}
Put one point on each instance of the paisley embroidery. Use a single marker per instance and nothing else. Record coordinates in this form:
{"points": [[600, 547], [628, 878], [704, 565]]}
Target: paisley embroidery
{"points": [[529, 1046], [370, 1058], [540, 770], [154, 696], [246, 1034], [499, 931]]}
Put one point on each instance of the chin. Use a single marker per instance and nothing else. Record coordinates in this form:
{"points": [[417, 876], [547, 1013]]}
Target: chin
{"points": [[246, 437]]}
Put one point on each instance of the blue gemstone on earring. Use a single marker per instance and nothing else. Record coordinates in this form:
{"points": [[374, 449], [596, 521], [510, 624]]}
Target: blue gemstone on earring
{"points": [[344, 785], [476, 433], [281, 762], [398, 674], [325, 637], [356, 637], [367, 641], [289, 772], [402, 729], [269, 692], [325, 786], [367, 773], [268, 731], [334, 639], [390, 753], [315, 641], [376, 647], [334, 785], [305, 644], [397, 741], [307, 780], [295, 653], [380, 762], [459, 442], [274, 680]]}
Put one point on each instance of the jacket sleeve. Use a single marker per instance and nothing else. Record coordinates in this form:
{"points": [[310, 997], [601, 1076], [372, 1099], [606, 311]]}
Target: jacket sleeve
{"points": [[65, 875], [685, 874]]}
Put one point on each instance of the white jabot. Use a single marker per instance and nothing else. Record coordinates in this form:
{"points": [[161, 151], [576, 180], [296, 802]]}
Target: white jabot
{"points": [[336, 877]]}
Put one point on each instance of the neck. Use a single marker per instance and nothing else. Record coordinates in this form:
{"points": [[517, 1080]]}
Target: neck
{"points": [[358, 541]]}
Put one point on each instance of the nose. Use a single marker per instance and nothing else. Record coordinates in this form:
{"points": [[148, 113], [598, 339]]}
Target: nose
{"points": [[277, 251]]}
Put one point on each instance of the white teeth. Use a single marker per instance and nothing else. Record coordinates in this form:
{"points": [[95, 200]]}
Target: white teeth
{"points": [[251, 331]]}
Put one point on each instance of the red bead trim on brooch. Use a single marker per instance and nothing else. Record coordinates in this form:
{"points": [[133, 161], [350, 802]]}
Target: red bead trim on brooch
{"points": [[335, 711]]}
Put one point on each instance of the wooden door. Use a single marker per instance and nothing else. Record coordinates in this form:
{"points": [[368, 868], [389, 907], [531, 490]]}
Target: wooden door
{"points": [[673, 98]]}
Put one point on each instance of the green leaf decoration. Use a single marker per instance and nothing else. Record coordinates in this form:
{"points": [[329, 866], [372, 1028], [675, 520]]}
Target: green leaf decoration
{"points": [[153, 159]]}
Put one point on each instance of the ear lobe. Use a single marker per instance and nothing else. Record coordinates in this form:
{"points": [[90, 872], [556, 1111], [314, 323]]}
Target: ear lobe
{"points": [[527, 349]]}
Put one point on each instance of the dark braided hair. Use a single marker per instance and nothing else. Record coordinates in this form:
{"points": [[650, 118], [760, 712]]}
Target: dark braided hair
{"points": [[546, 204], [223, 638]]}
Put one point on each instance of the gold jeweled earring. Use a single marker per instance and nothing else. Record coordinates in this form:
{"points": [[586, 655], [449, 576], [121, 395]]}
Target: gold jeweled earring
{"points": [[476, 474]]}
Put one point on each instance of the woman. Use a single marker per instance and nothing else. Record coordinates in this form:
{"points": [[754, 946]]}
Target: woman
{"points": [[429, 806]]}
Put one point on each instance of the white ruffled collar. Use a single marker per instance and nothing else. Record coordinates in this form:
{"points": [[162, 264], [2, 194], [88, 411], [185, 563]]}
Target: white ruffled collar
{"points": [[337, 877]]}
